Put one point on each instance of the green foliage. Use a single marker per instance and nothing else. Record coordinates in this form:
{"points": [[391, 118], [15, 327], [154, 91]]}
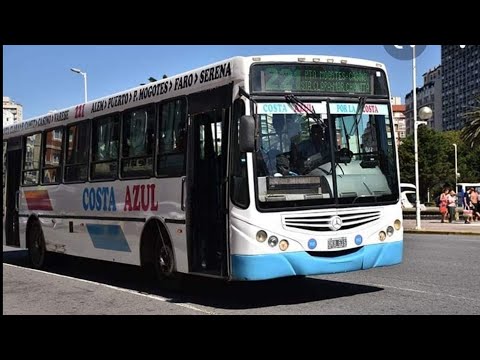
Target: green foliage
{"points": [[471, 132], [436, 160]]}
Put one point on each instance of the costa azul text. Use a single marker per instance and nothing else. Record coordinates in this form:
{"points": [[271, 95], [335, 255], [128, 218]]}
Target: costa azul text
{"points": [[103, 198]]}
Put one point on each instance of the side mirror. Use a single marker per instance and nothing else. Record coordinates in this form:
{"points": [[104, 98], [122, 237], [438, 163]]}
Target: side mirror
{"points": [[247, 134]]}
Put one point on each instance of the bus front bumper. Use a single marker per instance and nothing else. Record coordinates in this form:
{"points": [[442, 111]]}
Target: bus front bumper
{"points": [[262, 267]]}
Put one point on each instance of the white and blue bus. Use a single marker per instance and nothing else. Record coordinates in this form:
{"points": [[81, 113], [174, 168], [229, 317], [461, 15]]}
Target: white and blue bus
{"points": [[213, 172]]}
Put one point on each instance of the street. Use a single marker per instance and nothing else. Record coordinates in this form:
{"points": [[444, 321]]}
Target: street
{"points": [[439, 275]]}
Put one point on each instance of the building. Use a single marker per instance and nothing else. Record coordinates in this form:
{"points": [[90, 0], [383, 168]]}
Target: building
{"points": [[12, 112], [399, 119], [461, 83], [430, 94]]}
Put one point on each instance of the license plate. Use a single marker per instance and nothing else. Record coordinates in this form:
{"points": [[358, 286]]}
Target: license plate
{"points": [[338, 243]]}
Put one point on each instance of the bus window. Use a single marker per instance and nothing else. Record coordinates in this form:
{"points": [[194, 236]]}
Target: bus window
{"points": [[138, 142], [105, 140], [31, 160], [52, 156], [172, 139], [239, 188], [76, 164]]}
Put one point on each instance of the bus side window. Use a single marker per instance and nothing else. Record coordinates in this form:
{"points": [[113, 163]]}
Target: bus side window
{"points": [[78, 145], [137, 142], [172, 139], [52, 156], [31, 160], [105, 140]]}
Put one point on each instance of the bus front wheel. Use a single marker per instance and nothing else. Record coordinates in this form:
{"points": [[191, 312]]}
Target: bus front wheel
{"points": [[36, 248]]}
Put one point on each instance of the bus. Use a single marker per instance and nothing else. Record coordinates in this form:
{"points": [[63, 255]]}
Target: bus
{"points": [[462, 188], [206, 173]]}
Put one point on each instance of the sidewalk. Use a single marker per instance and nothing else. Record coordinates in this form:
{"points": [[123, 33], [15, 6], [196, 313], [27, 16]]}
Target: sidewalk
{"points": [[434, 226]]}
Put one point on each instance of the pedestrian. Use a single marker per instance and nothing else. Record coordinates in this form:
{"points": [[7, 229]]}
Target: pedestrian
{"points": [[475, 205], [443, 204], [451, 205], [467, 206]]}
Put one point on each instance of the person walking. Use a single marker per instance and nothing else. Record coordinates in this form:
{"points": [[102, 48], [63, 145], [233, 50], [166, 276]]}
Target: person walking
{"points": [[467, 206], [443, 204], [451, 205], [475, 206]]}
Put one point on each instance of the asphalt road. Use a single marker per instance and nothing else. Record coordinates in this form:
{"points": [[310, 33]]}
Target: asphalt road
{"points": [[440, 275]]}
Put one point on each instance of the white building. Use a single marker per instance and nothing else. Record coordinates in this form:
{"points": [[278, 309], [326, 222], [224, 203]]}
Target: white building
{"points": [[430, 94], [12, 112], [399, 120]]}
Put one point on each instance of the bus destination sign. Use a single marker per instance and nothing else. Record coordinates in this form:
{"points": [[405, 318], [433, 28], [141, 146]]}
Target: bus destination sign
{"points": [[323, 78]]}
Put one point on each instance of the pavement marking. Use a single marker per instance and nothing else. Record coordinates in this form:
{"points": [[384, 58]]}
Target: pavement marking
{"points": [[154, 297], [422, 291], [447, 236]]}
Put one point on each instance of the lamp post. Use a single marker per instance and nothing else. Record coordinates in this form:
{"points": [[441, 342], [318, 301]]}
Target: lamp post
{"points": [[456, 172], [425, 113], [415, 138], [84, 74]]}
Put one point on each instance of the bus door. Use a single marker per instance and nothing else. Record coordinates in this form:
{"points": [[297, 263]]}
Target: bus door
{"points": [[13, 175], [206, 209]]}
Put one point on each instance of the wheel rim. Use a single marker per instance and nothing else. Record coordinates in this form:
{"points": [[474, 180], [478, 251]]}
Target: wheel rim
{"points": [[165, 260], [37, 250]]}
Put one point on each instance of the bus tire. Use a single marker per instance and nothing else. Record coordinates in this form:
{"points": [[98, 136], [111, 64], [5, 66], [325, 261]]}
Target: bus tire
{"points": [[164, 262], [157, 257], [37, 251]]}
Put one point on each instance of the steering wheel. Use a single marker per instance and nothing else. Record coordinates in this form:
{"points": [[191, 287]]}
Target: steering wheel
{"points": [[344, 155]]}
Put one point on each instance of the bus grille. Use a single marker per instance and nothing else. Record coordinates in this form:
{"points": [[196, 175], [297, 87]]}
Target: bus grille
{"points": [[316, 223]]}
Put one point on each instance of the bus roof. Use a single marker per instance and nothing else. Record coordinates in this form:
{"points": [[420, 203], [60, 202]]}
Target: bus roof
{"points": [[234, 69]]}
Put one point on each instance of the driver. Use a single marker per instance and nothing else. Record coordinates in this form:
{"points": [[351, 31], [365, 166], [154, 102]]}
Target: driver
{"points": [[315, 144]]}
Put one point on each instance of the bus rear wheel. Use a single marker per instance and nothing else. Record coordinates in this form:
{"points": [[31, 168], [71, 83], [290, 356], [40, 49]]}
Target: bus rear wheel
{"points": [[36, 247]]}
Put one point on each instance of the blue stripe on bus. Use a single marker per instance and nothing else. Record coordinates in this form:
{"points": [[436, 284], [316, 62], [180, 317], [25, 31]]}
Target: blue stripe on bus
{"points": [[262, 267], [108, 237]]}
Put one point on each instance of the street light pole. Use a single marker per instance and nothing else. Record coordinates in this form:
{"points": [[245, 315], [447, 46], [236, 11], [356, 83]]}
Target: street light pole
{"points": [[415, 140], [84, 74], [456, 172]]}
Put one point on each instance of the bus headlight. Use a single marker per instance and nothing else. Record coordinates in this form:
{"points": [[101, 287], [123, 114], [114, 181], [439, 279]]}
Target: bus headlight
{"points": [[272, 241], [283, 245], [261, 236], [397, 224], [390, 230], [382, 236]]}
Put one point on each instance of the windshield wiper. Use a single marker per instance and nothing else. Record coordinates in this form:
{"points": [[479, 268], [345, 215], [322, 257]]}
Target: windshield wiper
{"points": [[347, 136], [358, 115], [310, 112]]}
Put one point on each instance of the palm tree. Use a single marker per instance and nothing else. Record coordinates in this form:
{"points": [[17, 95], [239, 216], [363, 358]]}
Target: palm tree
{"points": [[471, 132]]}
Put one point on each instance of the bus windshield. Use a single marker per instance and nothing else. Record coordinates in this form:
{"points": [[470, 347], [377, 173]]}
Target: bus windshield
{"points": [[340, 156]]}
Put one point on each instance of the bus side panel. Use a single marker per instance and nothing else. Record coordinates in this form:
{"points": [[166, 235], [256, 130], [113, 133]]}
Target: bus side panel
{"points": [[105, 220]]}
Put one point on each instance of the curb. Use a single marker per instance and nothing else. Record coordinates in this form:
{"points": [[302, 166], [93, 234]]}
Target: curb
{"points": [[433, 232]]}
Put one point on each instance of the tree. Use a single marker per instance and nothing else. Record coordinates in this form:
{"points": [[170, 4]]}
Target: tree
{"points": [[407, 160], [433, 161], [436, 161], [471, 132]]}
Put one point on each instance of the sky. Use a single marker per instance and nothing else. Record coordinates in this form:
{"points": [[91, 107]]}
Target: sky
{"points": [[39, 78]]}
